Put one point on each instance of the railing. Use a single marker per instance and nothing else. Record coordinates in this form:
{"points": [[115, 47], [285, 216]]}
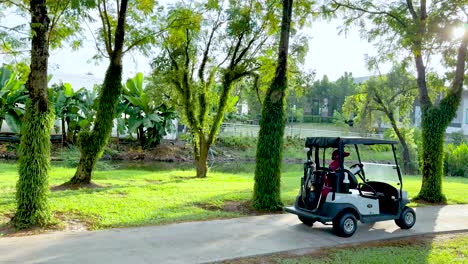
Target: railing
{"points": [[246, 130]]}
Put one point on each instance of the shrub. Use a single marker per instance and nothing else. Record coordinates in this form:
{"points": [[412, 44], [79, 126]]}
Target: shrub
{"points": [[317, 119], [456, 160], [457, 138], [242, 143]]}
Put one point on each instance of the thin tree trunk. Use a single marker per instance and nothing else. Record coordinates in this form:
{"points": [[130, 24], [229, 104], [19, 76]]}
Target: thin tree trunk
{"points": [[202, 161], [406, 154], [267, 193], [141, 137], [34, 153], [64, 132]]}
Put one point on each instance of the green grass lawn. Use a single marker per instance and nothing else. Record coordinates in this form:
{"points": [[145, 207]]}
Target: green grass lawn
{"points": [[420, 250], [152, 194]]}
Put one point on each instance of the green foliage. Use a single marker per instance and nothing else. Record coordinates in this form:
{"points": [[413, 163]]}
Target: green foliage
{"points": [[150, 121], [33, 186], [75, 108], [457, 138], [207, 49], [407, 32], [239, 143], [12, 97], [456, 160], [326, 97]]}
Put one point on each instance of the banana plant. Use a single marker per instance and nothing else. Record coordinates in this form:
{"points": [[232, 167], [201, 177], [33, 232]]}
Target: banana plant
{"points": [[12, 100], [74, 108], [150, 121]]}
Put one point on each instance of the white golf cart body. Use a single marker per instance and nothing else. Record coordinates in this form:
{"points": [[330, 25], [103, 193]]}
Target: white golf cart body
{"points": [[375, 198]]}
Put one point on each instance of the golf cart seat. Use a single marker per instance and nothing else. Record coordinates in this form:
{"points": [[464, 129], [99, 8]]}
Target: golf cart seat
{"points": [[353, 183]]}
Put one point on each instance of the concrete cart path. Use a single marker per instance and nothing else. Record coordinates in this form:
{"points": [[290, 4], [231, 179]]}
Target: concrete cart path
{"points": [[198, 242]]}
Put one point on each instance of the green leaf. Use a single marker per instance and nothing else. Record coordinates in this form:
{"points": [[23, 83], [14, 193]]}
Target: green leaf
{"points": [[154, 117], [147, 123], [134, 123], [83, 123], [13, 122], [68, 90]]}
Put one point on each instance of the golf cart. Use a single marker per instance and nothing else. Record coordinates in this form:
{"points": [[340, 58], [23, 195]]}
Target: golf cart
{"points": [[367, 192]]}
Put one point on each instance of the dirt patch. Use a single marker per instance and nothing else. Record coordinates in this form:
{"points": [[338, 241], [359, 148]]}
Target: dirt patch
{"points": [[65, 187], [167, 151], [153, 181], [74, 222], [68, 222], [241, 207]]}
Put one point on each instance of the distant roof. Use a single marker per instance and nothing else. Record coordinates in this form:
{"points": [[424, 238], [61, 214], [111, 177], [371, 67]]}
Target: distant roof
{"points": [[334, 142], [359, 80], [77, 81]]}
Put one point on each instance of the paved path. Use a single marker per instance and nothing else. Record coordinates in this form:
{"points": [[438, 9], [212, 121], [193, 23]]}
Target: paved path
{"points": [[199, 242]]}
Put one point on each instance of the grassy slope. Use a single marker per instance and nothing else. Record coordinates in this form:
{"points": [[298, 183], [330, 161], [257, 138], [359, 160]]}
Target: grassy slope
{"points": [[145, 195], [453, 250], [440, 249]]}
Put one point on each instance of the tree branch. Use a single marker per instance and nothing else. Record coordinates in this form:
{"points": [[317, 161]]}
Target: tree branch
{"points": [[96, 42], [19, 5], [201, 71], [138, 42], [14, 30], [105, 33], [356, 8], [409, 3]]}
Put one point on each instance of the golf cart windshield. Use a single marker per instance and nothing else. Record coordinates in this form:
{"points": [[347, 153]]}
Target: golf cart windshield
{"points": [[371, 159], [381, 172]]}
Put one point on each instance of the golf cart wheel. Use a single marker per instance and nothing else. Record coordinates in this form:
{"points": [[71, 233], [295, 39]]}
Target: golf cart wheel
{"points": [[407, 218], [306, 221], [345, 225]]}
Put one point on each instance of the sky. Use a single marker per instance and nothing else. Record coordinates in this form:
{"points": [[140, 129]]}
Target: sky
{"points": [[329, 54]]}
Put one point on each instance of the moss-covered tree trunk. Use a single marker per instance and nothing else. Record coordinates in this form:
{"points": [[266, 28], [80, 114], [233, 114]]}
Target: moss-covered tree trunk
{"points": [[34, 153], [270, 142], [201, 158], [435, 120], [432, 157], [92, 143]]}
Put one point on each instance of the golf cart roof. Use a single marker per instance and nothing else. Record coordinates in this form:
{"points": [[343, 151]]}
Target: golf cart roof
{"points": [[334, 142]]}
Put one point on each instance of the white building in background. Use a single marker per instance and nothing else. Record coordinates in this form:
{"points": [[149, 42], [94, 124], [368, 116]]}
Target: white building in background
{"points": [[459, 123], [77, 81]]}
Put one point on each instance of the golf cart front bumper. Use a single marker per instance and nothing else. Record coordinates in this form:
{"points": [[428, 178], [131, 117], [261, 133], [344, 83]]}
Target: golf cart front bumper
{"points": [[315, 216]]}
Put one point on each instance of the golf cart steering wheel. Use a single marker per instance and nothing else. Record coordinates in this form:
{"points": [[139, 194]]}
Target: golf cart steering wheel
{"points": [[358, 172], [362, 184]]}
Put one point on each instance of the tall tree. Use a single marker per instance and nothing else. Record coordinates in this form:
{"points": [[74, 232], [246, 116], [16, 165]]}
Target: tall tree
{"points": [[32, 187], [92, 143], [417, 30], [207, 49], [270, 142], [46, 30], [392, 95]]}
